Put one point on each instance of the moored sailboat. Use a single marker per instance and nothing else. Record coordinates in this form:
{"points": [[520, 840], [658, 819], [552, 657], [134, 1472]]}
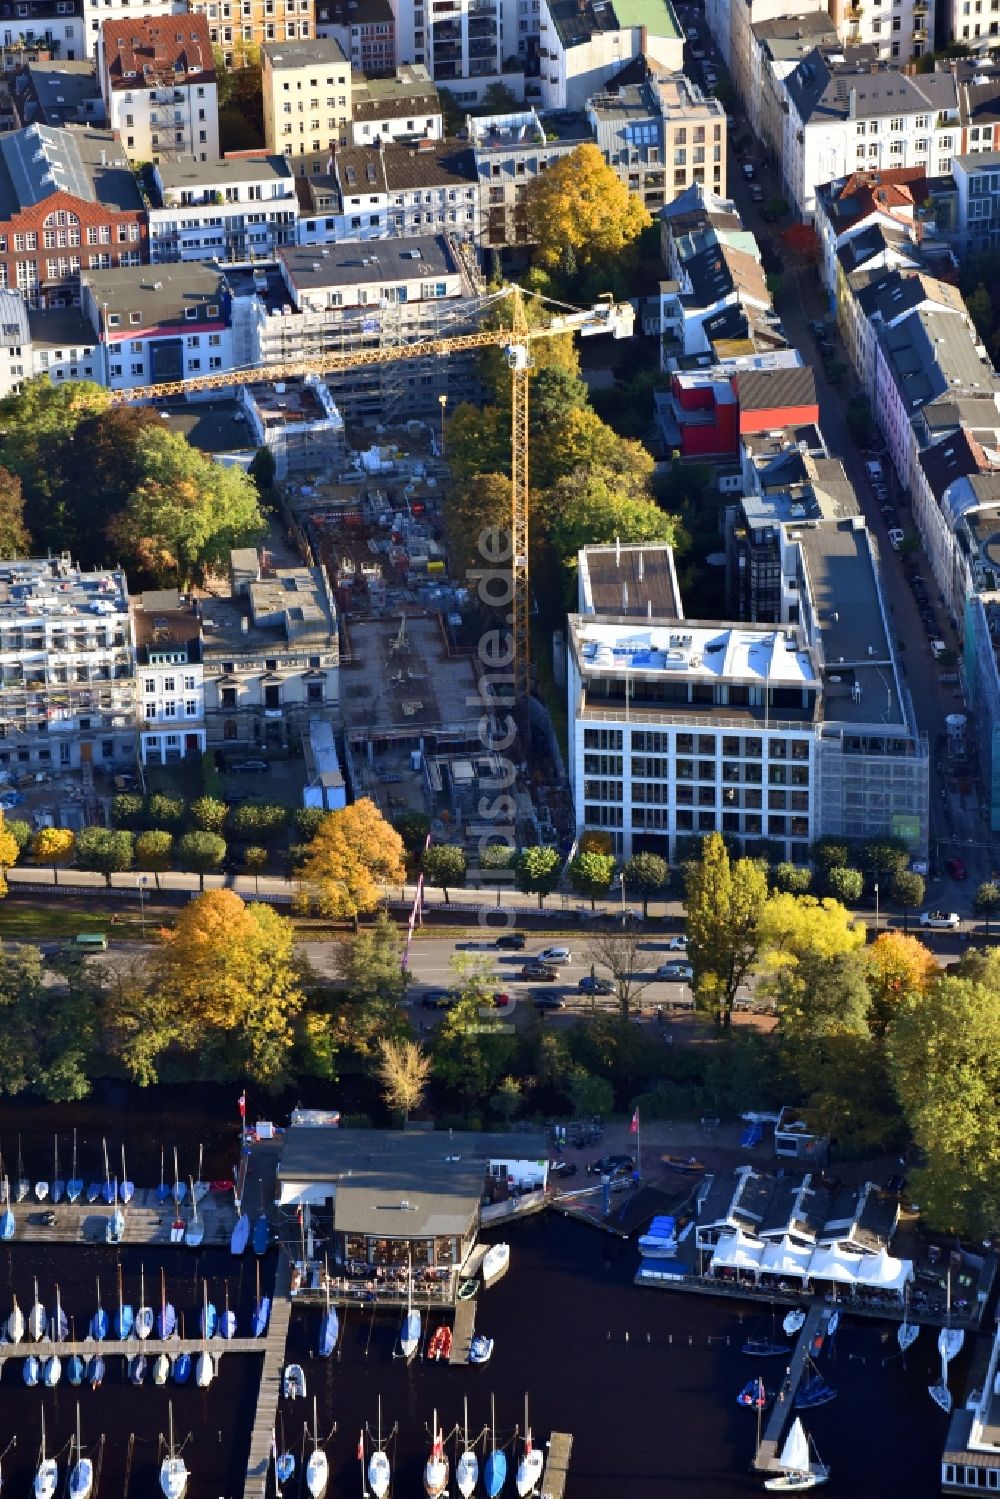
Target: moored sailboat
{"points": [[47, 1473], [173, 1469], [74, 1186], [81, 1479], [436, 1466], [409, 1334], [317, 1468], [329, 1328], [261, 1310], [798, 1472], [495, 1467], [379, 1471], [529, 1469], [467, 1467], [144, 1318]]}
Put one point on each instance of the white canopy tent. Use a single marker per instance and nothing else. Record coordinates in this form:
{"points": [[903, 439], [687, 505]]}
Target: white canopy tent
{"points": [[736, 1252], [831, 1264], [884, 1271], [786, 1259]]}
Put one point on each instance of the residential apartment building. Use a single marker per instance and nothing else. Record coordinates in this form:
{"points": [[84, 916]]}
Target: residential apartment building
{"points": [[849, 207], [879, 299], [771, 734], [158, 83], [240, 27], [59, 94], [402, 191], [169, 677], [63, 345], [270, 655], [405, 107], [15, 343], [54, 28], [509, 151], [776, 49], [366, 31], [96, 12], [239, 209], [307, 101], [977, 185], [897, 30], [66, 666], [68, 202], [467, 45], [710, 410], [660, 136], [847, 116], [584, 43], [167, 323], [365, 297]]}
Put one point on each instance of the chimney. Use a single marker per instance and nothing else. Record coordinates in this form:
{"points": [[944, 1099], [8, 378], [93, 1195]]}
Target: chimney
{"points": [[852, 104]]}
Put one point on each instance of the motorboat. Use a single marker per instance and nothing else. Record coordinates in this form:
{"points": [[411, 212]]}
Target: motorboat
{"points": [[496, 1262], [467, 1466], [436, 1467], [798, 1472], [173, 1469], [659, 1242], [480, 1349], [753, 1395], [317, 1468], [439, 1346], [794, 1321], [294, 1383], [687, 1164], [240, 1236], [46, 1474]]}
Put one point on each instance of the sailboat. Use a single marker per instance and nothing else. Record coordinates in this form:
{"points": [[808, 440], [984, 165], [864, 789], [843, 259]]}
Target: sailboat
{"points": [[47, 1472], [38, 1318], [52, 1371], [317, 1468], [15, 1323], [261, 1235], [114, 1229], [124, 1316], [163, 1190], [58, 1184], [81, 1479], [950, 1340], [95, 1372], [409, 1335], [58, 1326], [75, 1184], [204, 1370], [379, 1471], [199, 1188], [467, 1467], [99, 1321], [144, 1319], [195, 1231], [529, 1469], [329, 1328], [166, 1321], [495, 1470], [126, 1190], [22, 1186], [760, 1347], [798, 1472], [227, 1321], [907, 1332], [209, 1316], [31, 1370], [173, 1469], [8, 1223], [75, 1367], [284, 1461], [240, 1236], [436, 1467], [42, 1189], [138, 1368], [261, 1310], [108, 1192], [161, 1369]]}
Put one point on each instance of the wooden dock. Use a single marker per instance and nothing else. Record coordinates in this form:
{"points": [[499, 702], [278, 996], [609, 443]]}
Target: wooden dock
{"points": [[766, 1456], [112, 1348], [147, 1220], [261, 1437], [560, 1445], [464, 1331]]}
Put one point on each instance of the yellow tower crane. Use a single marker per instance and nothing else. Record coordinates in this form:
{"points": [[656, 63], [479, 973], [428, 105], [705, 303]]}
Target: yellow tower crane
{"points": [[605, 317]]}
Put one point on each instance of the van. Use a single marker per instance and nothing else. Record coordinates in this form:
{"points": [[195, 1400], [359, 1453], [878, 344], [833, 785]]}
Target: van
{"points": [[874, 471], [91, 941]]}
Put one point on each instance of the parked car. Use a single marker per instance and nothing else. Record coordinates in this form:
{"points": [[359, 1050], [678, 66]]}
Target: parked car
{"points": [[756, 193], [538, 973], [239, 766], [874, 471], [692, 33], [818, 328], [749, 170], [590, 985], [609, 1163], [677, 944], [675, 973], [896, 538], [543, 1001], [554, 955], [941, 920], [956, 868], [938, 649], [880, 492], [511, 942], [438, 999], [562, 1168], [501, 1001]]}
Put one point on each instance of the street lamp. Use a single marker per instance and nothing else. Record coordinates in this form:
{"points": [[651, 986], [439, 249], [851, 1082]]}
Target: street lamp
{"points": [[141, 889], [442, 402], [876, 910]]}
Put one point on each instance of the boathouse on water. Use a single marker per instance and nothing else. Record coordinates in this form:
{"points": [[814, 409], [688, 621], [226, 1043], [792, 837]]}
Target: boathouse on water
{"points": [[399, 1197]]}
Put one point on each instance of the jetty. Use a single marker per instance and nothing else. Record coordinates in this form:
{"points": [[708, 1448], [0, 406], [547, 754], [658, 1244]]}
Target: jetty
{"points": [[147, 1220], [463, 1331], [273, 1347], [810, 1338], [560, 1445], [129, 1347]]}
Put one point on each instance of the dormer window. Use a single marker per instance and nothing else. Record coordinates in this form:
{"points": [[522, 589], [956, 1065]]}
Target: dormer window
{"points": [[190, 313], [213, 311]]}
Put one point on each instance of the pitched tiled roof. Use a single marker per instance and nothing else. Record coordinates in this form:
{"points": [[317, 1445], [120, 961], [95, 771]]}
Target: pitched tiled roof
{"points": [[139, 52], [954, 457]]}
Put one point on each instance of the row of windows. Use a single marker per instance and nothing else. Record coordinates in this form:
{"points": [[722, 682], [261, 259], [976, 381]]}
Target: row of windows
{"points": [[658, 818], [972, 1478], [658, 744], [661, 795]]}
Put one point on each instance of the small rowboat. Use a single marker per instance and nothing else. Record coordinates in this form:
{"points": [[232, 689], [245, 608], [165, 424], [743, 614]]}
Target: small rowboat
{"points": [[754, 1395], [678, 1163]]}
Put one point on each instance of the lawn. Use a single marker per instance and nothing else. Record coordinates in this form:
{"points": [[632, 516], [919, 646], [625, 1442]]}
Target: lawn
{"points": [[41, 923]]}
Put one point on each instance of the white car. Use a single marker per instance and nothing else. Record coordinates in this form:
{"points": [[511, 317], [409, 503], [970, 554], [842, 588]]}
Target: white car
{"points": [[749, 170], [947, 920], [554, 955], [896, 538], [677, 944], [675, 973], [938, 649]]}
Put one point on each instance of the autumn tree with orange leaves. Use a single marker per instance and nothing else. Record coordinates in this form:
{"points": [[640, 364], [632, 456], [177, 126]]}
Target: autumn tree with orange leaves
{"points": [[353, 854], [897, 967]]}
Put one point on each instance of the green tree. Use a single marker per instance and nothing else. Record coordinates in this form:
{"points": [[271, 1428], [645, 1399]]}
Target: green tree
{"points": [[14, 538], [201, 853], [590, 875], [257, 820], [106, 467], [724, 905], [471, 1053], [881, 858], [579, 204], [536, 871], [593, 508], [507, 1100], [792, 879], [592, 1097], [187, 514], [648, 875], [444, 866], [371, 970], [307, 821], [128, 810], [986, 901], [208, 814], [166, 811], [497, 856], [845, 885], [153, 851], [104, 851], [413, 828], [48, 1029], [38, 427], [907, 890], [476, 503], [829, 853], [951, 1106], [254, 858], [19, 830], [979, 306], [791, 927]]}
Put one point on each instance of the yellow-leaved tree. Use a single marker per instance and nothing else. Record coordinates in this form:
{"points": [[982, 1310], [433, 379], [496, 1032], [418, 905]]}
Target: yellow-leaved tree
{"points": [[9, 851], [354, 852], [53, 846], [579, 207]]}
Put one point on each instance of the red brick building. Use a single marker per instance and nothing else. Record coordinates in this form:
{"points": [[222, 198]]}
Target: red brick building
{"points": [[68, 202]]}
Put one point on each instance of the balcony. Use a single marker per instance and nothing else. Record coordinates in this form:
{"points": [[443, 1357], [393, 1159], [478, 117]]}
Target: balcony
{"points": [[919, 32]]}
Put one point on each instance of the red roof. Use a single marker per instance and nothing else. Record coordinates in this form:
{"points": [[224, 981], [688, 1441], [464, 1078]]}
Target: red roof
{"points": [[151, 50]]}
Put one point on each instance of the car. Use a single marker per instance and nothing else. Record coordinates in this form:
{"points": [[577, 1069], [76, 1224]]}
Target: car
{"points": [[896, 538], [538, 973], [677, 944], [874, 471], [756, 193], [239, 767], [711, 79], [543, 1001], [562, 1168], [629, 915], [818, 328], [588, 985], [501, 1001], [956, 868], [675, 973], [941, 920], [749, 170], [437, 999], [692, 33], [880, 492], [511, 942], [554, 955], [938, 649], [609, 1163]]}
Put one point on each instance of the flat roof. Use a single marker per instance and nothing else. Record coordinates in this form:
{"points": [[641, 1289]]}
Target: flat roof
{"points": [[700, 652], [629, 580], [185, 171], [60, 328], [386, 686], [288, 606], [210, 426], [159, 294], [320, 51], [355, 263]]}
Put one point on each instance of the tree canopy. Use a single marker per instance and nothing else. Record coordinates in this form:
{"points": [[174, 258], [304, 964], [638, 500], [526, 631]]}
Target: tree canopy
{"points": [[724, 903], [579, 208], [353, 853]]}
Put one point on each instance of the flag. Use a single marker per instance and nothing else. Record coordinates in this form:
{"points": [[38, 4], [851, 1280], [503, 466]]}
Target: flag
{"points": [[633, 1128], [243, 1104], [361, 1448]]}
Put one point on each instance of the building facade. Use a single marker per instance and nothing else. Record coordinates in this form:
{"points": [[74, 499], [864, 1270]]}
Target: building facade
{"points": [[239, 28], [582, 45], [158, 82], [241, 209], [405, 107], [158, 325], [307, 102], [366, 31], [661, 136], [896, 30], [54, 28], [170, 691]]}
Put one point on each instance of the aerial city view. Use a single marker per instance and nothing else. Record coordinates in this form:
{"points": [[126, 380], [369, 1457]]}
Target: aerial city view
{"points": [[499, 748]]}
